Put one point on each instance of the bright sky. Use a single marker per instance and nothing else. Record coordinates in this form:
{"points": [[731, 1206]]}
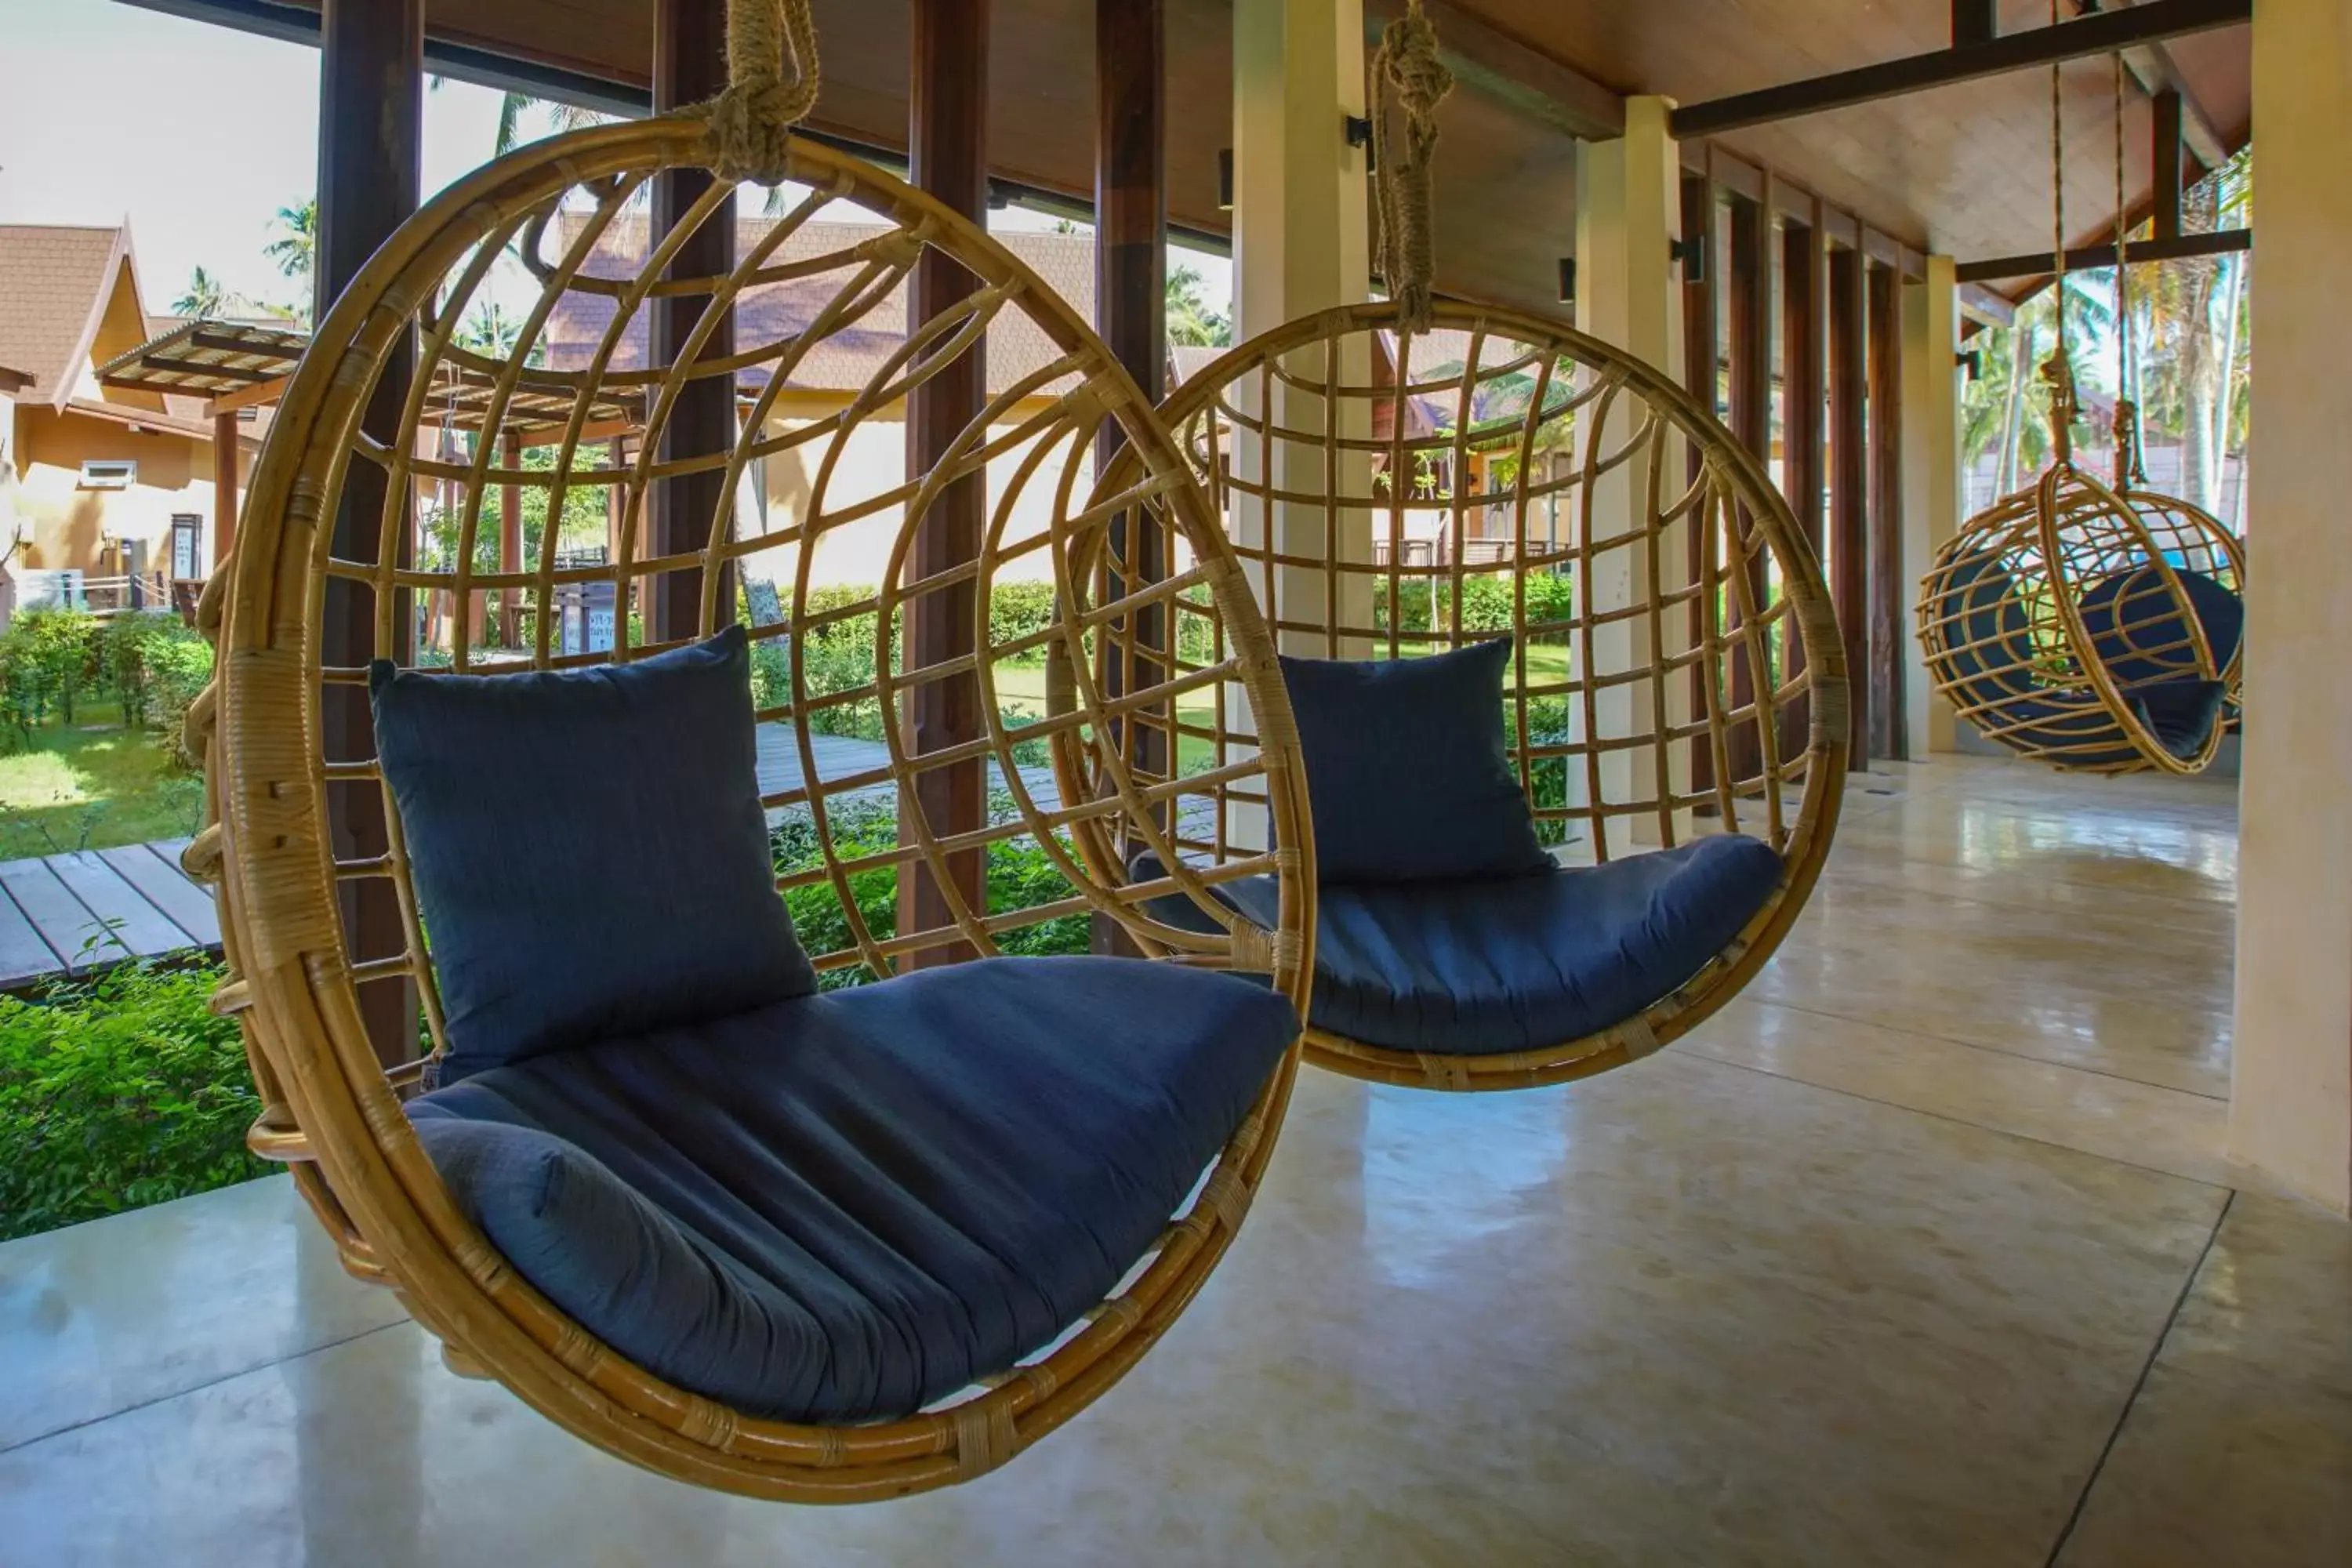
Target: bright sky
{"points": [[97, 121]]}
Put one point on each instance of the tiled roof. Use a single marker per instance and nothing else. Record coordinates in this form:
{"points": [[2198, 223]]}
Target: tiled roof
{"points": [[769, 313], [50, 278]]}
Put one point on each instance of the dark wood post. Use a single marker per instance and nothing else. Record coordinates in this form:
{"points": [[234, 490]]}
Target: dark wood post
{"points": [[510, 545], [1850, 483], [1702, 373], [1804, 458], [1750, 311], [948, 158], [371, 112], [1889, 736], [689, 65], [225, 481], [1974, 22], [1131, 313], [2165, 165]]}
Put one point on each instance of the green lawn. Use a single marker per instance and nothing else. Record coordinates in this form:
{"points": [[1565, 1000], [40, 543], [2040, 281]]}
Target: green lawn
{"points": [[91, 785]]}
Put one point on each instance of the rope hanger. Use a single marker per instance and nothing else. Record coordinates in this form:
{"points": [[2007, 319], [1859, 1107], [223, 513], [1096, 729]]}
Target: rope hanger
{"points": [[751, 121], [1407, 68]]}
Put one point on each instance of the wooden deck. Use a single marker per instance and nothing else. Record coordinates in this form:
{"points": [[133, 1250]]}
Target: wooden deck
{"points": [[71, 913], [79, 911]]}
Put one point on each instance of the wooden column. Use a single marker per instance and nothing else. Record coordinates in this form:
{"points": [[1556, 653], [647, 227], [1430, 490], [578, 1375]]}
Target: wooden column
{"points": [[1849, 482], [371, 112], [2165, 165], [689, 65], [948, 159], [1749, 290], [1131, 314], [225, 481], [510, 545], [1889, 735], [1804, 458], [1702, 374]]}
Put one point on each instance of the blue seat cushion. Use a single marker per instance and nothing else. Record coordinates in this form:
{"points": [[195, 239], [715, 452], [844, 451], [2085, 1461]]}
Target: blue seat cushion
{"points": [[1517, 964], [843, 1207], [588, 848], [1988, 662], [2179, 710], [1408, 776], [2127, 613]]}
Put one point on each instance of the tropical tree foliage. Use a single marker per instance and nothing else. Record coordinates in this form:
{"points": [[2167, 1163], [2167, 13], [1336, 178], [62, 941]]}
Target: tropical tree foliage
{"points": [[204, 299], [1192, 319]]}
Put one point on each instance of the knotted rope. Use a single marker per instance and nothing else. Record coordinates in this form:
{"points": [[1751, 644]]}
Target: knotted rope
{"points": [[2128, 456], [1407, 68], [752, 121], [2058, 370]]}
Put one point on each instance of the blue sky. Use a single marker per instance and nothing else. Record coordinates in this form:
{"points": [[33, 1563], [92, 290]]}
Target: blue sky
{"points": [[98, 122]]}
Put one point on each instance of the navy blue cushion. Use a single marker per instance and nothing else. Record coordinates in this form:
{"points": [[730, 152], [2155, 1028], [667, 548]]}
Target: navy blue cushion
{"points": [[2179, 712], [846, 1207], [588, 848], [1988, 662], [1516, 963], [1408, 776], [2126, 612]]}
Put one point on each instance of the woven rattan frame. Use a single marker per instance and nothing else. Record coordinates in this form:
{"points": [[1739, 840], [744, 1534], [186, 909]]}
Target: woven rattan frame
{"points": [[1725, 586], [2069, 528], [331, 1108]]}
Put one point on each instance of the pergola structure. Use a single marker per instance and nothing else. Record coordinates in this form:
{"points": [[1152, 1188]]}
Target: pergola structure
{"points": [[235, 366], [1804, 204]]}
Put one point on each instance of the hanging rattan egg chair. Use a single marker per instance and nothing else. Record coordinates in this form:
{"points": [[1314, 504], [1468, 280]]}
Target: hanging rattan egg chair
{"points": [[932, 1215], [2095, 628], [1634, 644]]}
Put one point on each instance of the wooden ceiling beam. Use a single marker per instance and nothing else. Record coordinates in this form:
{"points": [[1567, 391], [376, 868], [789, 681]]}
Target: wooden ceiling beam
{"points": [[1514, 74], [2151, 66], [2220, 242], [2102, 33]]}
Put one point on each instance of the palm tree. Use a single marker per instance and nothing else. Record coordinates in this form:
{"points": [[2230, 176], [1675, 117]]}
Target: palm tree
{"points": [[204, 300], [566, 116], [295, 248], [1191, 319]]}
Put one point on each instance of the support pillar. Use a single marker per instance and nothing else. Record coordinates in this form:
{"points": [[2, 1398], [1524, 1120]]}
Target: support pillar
{"points": [[1890, 737], [1850, 484], [1749, 290], [1931, 479], [1131, 314], [1628, 211], [948, 159], [1301, 244], [371, 115], [2291, 1077], [690, 65], [225, 483], [1804, 452]]}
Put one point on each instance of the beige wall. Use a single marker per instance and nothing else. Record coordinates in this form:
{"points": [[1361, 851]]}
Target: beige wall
{"points": [[65, 526]]}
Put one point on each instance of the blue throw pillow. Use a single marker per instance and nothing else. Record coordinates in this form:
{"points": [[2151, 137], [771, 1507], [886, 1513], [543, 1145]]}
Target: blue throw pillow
{"points": [[1408, 776], [588, 848]]}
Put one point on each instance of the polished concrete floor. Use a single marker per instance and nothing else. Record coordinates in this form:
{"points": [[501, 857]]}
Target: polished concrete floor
{"points": [[1926, 1252]]}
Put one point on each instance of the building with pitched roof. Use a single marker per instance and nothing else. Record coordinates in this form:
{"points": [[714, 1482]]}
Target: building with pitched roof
{"points": [[109, 481]]}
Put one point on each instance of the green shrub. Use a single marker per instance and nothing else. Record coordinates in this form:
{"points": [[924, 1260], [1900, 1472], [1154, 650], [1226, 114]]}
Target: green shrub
{"points": [[1424, 604], [47, 658], [1021, 874], [1019, 610], [117, 1092]]}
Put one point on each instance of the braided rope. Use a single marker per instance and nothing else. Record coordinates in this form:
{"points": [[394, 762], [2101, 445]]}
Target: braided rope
{"points": [[751, 121], [2128, 465], [1407, 66], [2058, 370]]}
